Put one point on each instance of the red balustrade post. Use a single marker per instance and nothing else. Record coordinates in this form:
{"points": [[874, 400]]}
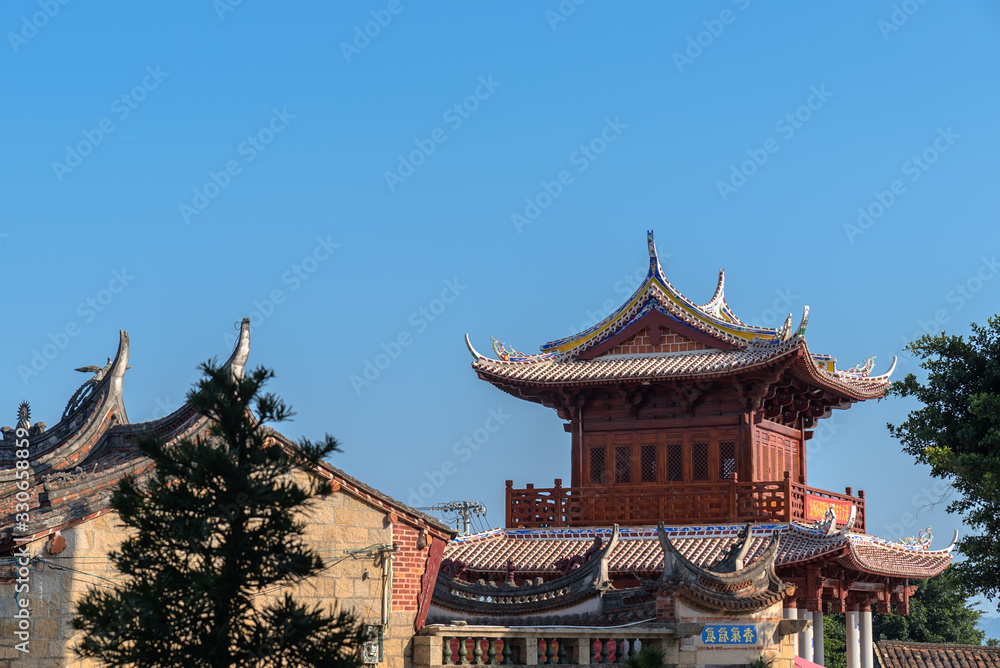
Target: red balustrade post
{"points": [[733, 514], [788, 496], [510, 485], [557, 495], [860, 522]]}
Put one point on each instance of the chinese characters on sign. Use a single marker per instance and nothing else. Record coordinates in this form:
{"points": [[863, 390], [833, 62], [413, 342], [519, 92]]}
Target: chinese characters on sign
{"points": [[816, 508], [729, 634]]}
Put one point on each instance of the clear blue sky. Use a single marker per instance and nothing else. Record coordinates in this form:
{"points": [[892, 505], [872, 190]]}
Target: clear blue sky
{"points": [[218, 156]]}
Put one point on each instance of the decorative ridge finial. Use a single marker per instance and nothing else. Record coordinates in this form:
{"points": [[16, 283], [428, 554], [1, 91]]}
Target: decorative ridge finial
{"points": [[24, 415], [237, 361], [472, 350], [654, 260], [113, 372], [851, 517], [801, 331]]}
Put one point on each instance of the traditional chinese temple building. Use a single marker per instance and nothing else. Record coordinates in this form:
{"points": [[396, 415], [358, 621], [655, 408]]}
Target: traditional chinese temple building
{"points": [[688, 521], [57, 526]]}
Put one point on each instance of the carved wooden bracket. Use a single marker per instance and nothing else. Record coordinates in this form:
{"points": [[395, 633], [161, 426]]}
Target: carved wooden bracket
{"points": [[634, 398]]}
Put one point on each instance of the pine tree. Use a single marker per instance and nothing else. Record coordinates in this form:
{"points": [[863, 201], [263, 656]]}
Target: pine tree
{"points": [[217, 527]]}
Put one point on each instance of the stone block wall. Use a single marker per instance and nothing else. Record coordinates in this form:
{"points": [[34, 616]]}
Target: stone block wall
{"points": [[345, 530]]}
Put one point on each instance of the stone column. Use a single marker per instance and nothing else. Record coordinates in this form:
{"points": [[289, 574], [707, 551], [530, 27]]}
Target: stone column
{"points": [[806, 637], [792, 612], [819, 655], [867, 659], [853, 646]]}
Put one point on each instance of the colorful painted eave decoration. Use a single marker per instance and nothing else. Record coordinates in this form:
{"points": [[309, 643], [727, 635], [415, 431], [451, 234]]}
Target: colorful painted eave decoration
{"points": [[714, 319]]}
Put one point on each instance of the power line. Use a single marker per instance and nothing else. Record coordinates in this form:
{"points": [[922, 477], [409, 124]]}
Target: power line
{"points": [[464, 510]]}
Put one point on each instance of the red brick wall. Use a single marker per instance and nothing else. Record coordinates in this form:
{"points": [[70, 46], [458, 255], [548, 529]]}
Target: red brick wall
{"points": [[665, 609], [408, 568], [669, 343]]}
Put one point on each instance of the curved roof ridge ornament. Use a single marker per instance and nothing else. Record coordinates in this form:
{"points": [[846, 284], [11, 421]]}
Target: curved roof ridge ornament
{"points": [[735, 557], [656, 292], [472, 350], [801, 331], [603, 581], [850, 521], [120, 365], [241, 352], [113, 372], [768, 555], [654, 259], [885, 376], [718, 297], [954, 539], [785, 332]]}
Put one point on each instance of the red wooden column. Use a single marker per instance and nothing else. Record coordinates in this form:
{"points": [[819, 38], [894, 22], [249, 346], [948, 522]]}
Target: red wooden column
{"points": [[508, 523]]}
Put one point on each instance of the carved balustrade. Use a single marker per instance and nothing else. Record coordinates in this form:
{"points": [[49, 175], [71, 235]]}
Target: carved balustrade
{"points": [[729, 501]]}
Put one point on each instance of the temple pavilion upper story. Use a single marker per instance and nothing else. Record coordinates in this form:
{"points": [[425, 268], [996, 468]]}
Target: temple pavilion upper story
{"points": [[681, 412], [688, 519]]}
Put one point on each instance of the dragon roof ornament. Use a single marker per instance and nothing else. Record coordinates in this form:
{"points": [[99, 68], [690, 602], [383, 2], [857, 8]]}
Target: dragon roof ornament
{"points": [[730, 584], [113, 372]]}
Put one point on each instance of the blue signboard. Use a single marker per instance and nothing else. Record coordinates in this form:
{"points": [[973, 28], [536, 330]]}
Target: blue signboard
{"points": [[729, 634]]}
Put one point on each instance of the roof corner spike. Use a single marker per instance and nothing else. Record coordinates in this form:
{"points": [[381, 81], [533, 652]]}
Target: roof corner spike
{"points": [[654, 261], [118, 368], [852, 516], [238, 360], [892, 367], [801, 331], [603, 580], [786, 330], [954, 539], [472, 350]]}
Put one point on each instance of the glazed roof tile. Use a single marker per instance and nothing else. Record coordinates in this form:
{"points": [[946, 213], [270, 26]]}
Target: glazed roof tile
{"points": [[534, 551], [76, 465], [905, 654], [732, 346]]}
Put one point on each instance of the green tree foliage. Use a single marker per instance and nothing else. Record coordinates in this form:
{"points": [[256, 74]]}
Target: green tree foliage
{"points": [[939, 612], [217, 527], [957, 432], [835, 641], [649, 656]]}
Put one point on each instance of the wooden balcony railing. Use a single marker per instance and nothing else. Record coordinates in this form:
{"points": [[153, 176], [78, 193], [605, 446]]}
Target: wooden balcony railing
{"points": [[729, 501]]}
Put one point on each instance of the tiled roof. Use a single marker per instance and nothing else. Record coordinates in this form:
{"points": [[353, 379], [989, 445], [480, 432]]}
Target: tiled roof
{"points": [[681, 365], [535, 551], [676, 366], [77, 464], [584, 358], [904, 654]]}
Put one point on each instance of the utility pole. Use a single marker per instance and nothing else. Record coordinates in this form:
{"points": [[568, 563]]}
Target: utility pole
{"points": [[463, 508]]}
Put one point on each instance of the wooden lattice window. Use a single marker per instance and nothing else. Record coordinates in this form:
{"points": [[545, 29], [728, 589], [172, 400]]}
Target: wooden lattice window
{"points": [[727, 459], [647, 463], [699, 461], [675, 462], [598, 465], [623, 464]]}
